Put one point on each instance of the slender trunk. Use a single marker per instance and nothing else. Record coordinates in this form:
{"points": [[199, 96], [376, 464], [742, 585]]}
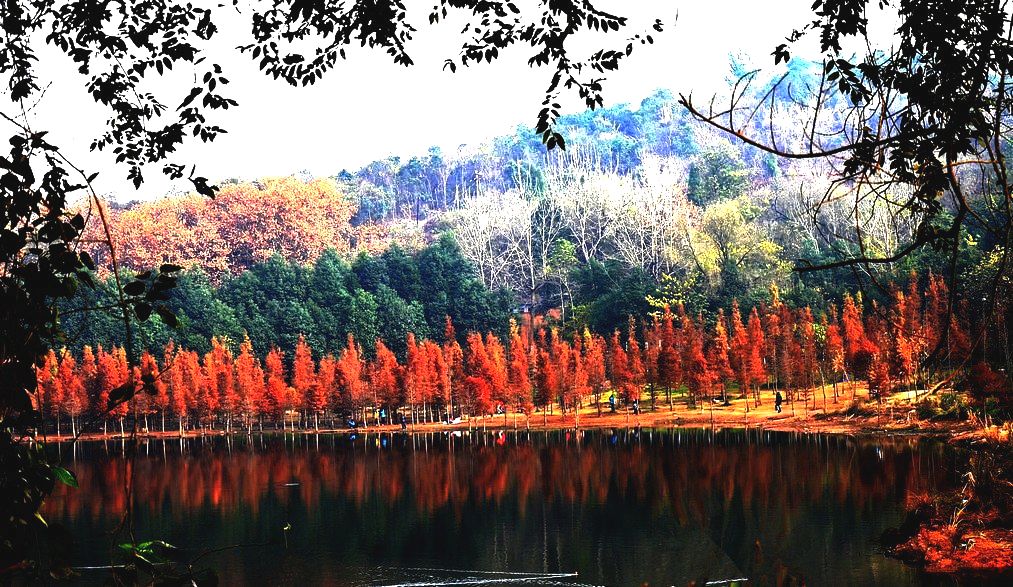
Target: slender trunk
{"points": [[823, 388]]}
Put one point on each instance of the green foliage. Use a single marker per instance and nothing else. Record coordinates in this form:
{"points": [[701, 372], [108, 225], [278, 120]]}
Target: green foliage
{"points": [[953, 405], [276, 301], [687, 290], [736, 253], [718, 173], [608, 294]]}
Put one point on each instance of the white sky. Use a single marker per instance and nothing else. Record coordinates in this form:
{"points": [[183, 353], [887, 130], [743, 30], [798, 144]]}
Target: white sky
{"points": [[370, 108]]}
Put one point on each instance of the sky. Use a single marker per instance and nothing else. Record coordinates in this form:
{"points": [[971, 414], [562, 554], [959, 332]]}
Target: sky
{"points": [[369, 108]]}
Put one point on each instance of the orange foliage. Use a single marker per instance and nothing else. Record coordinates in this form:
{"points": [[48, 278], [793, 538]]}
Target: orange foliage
{"points": [[245, 224]]}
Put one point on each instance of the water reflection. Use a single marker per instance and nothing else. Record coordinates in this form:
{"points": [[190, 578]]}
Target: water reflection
{"points": [[666, 507]]}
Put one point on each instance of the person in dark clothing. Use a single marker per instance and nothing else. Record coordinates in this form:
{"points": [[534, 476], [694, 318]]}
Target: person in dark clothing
{"points": [[636, 406], [612, 402], [778, 400], [404, 422]]}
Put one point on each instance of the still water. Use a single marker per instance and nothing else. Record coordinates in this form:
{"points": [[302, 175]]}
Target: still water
{"points": [[663, 507]]}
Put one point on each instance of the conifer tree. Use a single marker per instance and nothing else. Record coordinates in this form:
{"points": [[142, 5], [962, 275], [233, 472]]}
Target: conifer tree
{"points": [[383, 378], [757, 343], [637, 372], [351, 376], [546, 377], [498, 376], [478, 390], [453, 356], [622, 381], [670, 355], [218, 391], [519, 374], [151, 373], [325, 386], [278, 397], [75, 396], [739, 355], [304, 380], [717, 356], [250, 384], [698, 375], [594, 360], [49, 389], [652, 352]]}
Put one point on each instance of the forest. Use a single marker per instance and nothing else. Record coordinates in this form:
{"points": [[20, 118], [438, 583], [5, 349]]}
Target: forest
{"points": [[772, 349], [821, 249], [646, 213]]}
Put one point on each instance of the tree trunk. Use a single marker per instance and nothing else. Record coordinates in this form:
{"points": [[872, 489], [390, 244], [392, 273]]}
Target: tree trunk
{"points": [[823, 388]]}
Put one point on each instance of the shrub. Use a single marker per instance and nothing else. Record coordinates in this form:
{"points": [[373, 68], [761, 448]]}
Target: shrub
{"points": [[953, 405], [927, 409]]}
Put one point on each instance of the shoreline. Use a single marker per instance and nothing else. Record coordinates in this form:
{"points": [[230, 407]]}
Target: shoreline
{"points": [[891, 418]]}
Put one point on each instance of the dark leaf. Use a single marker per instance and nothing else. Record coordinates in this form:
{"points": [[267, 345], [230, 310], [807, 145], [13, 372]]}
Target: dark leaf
{"points": [[134, 288]]}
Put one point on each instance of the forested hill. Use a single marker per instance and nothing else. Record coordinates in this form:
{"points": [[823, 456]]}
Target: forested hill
{"points": [[618, 137], [644, 208]]}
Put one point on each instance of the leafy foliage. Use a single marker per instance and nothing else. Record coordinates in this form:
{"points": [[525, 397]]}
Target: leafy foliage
{"points": [[276, 302]]}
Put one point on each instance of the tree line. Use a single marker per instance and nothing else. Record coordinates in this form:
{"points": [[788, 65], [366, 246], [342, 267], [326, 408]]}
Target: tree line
{"points": [[772, 348], [276, 301]]}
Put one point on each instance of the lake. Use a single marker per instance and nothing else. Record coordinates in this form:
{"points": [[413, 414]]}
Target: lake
{"points": [[625, 507]]}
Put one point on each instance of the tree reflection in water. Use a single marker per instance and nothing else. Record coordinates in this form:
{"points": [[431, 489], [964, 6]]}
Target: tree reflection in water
{"points": [[661, 506]]}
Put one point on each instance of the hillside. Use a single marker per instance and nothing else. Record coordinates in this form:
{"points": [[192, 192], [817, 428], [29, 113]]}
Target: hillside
{"points": [[644, 208]]}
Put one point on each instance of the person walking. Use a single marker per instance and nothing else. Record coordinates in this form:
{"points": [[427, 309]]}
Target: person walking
{"points": [[777, 402], [404, 422], [612, 402]]}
